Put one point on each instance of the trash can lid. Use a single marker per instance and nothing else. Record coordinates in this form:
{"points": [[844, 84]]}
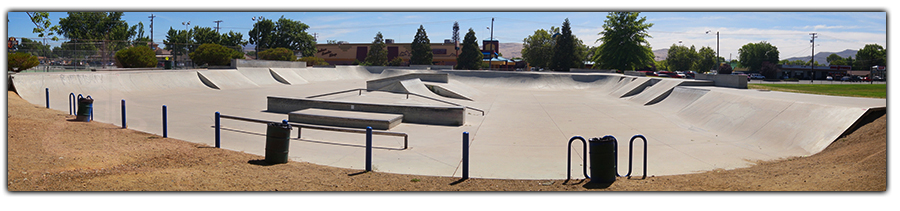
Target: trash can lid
{"points": [[281, 125]]}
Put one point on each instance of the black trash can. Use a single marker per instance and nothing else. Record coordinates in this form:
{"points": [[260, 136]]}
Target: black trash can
{"points": [[277, 142], [603, 159], [85, 108], [167, 65]]}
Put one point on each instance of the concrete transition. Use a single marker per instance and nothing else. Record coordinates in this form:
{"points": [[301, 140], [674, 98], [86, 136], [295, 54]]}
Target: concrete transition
{"points": [[527, 119]]}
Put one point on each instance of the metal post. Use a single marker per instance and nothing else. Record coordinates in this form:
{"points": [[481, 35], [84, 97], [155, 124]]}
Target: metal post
{"points": [[368, 148], [165, 123], [465, 154], [124, 125], [47, 91], [218, 136], [72, 102]]}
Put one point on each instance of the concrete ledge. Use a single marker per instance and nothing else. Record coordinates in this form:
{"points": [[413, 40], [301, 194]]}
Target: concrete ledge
{"points": [[635, 73], [733, 81], [433, 115], [351, 119]]}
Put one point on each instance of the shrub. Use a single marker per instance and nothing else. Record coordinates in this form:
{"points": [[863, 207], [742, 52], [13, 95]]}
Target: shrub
{"points": [[312, 60], [17, 62], [214, 55], [397, 61], [279, 54], [138, 56]]}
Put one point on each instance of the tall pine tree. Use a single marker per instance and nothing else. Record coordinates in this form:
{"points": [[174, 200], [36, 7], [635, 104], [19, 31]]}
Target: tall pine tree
{"points": [[421, 49], [470, 58], [563, 56], [377, 55]]}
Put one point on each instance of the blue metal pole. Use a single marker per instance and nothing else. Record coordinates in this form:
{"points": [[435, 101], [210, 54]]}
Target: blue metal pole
{"points": [[465, 154], [218, 136], [165, 123], [124, 125], [368, 148], [47, 92]]}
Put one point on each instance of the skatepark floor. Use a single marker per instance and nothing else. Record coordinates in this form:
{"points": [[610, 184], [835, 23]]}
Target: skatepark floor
{"points": [[48, 152]]}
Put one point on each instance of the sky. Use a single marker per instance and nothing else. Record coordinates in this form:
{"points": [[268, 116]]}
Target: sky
{"points": [[788, 31]]}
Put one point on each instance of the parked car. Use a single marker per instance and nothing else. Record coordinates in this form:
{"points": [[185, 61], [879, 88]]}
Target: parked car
{"points": [[757, 76], [690, 74], [866, 79], [845, 78], [740, 73], [829, 78], [878, 78]]}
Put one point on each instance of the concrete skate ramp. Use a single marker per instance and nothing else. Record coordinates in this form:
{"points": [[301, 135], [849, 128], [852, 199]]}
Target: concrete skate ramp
{"points": [[532, 80], [632, 87], [316, 74], [260, 76], [226, 79], [30, 86], [656, 92], [287, 76]]}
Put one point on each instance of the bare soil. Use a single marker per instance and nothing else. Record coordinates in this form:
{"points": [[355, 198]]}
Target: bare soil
{"points": [[47, 151]]}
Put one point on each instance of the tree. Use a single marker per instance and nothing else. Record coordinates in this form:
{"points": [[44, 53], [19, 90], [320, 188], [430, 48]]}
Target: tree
{"points": [[871, 55], [421, 48], [205, 35], [214, 55], [178, 42], [17, 62], [313, 61], [661, 65], [724, 69], [107, 28], [284, 33], [706, 60], [833, 57], [768, 69], [377, 55], [564, 50], [397, 61], [43, 26], [34, 48], [278, 54], [138, 56], [681, 58], [537, 49], [455, 36], [752, 55], [470, 58], [624, 42]]}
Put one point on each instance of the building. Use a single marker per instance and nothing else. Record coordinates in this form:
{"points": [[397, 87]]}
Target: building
{"points": [[343, 53], [818, 72]]}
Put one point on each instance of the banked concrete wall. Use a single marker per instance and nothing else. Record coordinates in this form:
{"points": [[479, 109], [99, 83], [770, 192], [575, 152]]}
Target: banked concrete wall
{"points": [[430, 77], [434, 115]]}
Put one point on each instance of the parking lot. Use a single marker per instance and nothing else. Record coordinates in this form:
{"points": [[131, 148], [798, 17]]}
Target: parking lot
{"points": [[816, 82]]}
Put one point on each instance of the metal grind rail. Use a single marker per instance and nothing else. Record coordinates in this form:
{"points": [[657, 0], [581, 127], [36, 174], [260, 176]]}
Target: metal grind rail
{"points": [[407, 97], [315, 127]]}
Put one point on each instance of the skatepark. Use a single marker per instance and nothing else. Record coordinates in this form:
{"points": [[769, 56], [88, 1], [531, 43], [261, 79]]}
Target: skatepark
{"points": [[519, 122]]}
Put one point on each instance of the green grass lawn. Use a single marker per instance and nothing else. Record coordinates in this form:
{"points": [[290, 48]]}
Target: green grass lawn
{"points": [[852, 90]]}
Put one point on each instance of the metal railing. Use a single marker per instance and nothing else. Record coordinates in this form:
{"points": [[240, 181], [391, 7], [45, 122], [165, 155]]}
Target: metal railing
{"points": [[407, 97], [314, 127], [631, 155], [583, 162]]}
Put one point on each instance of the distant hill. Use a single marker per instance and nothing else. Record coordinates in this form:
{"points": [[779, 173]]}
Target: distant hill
{"points": [[660, 54], [822, 56], [511, 50]]}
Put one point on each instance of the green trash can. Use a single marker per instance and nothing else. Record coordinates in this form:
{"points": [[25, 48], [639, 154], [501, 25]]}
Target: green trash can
{"points": [[603, 159], [85, 108], [277, 142]]}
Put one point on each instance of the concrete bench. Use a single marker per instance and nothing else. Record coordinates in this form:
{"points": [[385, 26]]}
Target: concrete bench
{"points": [[352, 119]]}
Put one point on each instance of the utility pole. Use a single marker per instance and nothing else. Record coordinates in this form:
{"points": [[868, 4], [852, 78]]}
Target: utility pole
{"points": [[217, 25], [151, 26], [491, 57], [812, 62]]}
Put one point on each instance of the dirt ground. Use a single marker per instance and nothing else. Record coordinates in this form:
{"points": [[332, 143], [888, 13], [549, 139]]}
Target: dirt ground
{"points": [[48, 152]]}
